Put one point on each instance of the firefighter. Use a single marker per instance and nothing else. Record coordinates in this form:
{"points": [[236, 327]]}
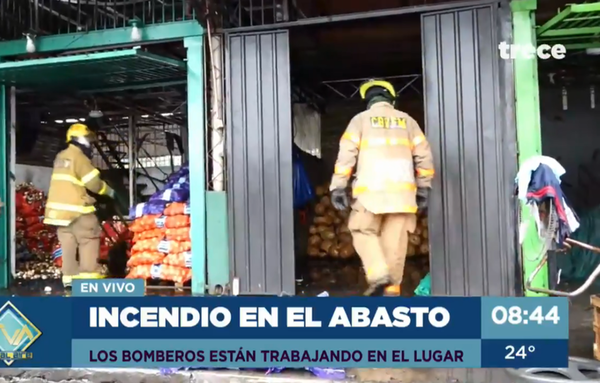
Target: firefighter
{"points": [[71, 209], [394, 170]]}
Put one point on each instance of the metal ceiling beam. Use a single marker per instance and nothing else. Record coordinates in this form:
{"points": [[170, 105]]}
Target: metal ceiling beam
{"points": [[117, 37], [364, 15]]}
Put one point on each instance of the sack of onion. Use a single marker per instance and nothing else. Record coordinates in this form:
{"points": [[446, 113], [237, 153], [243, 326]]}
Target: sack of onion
{"points": [[162, 245], [329, 234]]}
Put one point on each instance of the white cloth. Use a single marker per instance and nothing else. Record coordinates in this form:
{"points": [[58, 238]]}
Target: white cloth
{"points": [[524, 175], [571, 220]]}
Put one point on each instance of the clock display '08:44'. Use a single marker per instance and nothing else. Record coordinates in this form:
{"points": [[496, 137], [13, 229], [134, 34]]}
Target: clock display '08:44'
{"points": [[515, 315]]}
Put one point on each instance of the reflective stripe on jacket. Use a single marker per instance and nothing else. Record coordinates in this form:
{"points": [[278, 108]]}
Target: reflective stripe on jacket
{"points": [[394, 159], [68, 199]]}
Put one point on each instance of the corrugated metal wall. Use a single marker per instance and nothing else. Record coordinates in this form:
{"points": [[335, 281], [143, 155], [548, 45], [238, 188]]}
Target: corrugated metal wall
{"points": [[259, 144], [470, 124]]}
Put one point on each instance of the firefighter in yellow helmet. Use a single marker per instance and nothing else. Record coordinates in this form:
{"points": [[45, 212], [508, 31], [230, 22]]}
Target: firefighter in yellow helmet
{"points": [[394, 170], [71, 209]]}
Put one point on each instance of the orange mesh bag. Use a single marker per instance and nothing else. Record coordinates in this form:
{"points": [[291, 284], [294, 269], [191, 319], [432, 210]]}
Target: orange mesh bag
{"points": [[145, 258], [181, 234], [177, 221], [154, 233], [179, 259], [140, 272], [147, 222], [172, 247], [176, 274], [146, 244], [176, 208], [164, 272]]}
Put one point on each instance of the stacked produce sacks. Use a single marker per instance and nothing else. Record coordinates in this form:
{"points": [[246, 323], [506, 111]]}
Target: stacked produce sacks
{"points": [[113, 232], [329, 234], [330, 241], [162, 247], [418, 242], [35, 241]]}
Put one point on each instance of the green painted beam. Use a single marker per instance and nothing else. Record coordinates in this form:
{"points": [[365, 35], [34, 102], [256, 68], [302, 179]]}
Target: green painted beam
{"points": [[152, 33], [554, 21], [217, 241], [90, 57], [585, 8], [5, 197], [149, 85], [197, 160], [571, 32], [529, 134], [581, 46]]}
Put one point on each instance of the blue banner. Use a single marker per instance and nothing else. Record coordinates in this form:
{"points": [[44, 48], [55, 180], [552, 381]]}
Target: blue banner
{"points": [[99, 329]]}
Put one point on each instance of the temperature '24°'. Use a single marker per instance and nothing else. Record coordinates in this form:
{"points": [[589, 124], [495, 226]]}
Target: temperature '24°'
{"points": [[521, 352], [516, 315]]}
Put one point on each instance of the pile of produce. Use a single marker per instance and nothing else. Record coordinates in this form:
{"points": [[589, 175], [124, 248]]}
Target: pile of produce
{"points": [[330, 237], [329, 234], [162, 247], [418, 242], [34, 240], [39, 254], [113, 232]]}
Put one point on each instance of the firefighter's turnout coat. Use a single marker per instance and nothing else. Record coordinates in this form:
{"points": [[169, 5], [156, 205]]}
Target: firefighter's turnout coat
{"points": [[68, 199], [394, 159]]}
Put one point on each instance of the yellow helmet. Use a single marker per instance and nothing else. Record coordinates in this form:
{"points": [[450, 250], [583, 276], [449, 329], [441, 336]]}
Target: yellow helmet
{"points": [[78, 132], [371, 83]]}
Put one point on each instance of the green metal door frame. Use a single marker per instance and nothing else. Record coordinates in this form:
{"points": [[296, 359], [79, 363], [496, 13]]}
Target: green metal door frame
{"points": [[529, 136], [5, 197], [194, 45], [197, 160]]}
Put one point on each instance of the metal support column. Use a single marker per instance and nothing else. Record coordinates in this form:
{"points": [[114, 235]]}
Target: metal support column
{"points": [[217, 241], [197, 159], [529, 135], [12, 180], [5, 197], [132, 160]]}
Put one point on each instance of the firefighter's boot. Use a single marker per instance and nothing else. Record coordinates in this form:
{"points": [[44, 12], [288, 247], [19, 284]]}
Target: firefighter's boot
{"points": [[392, 291], [67, 281], [89, 276], [376, 288]]}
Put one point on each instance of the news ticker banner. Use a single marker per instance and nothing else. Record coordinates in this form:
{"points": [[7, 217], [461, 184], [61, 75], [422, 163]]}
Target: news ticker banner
{"points": [[109, 323]]}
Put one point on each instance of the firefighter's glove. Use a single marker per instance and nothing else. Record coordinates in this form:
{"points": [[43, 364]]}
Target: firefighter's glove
{"points": [[422, 198], [339, 199]]}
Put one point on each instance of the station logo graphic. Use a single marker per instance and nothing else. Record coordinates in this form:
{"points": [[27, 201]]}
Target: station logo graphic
{"points": [[17, 334]]}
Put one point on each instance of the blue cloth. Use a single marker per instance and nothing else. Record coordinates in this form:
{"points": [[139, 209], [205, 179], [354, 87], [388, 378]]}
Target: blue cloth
{"points": [[545, 186], [303, 191], [525, 172]]}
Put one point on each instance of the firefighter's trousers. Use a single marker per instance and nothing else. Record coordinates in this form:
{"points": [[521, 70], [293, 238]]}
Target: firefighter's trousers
{"points": [[83, 234], [381, 241]]}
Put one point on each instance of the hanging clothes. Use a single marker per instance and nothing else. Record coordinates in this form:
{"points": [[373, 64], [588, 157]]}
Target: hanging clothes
{"points": [[544, 185], [529, 166]]}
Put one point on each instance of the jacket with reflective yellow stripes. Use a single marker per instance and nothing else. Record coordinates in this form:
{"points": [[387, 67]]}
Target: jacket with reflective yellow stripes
{"points": [[392, 159], [68, 199]]}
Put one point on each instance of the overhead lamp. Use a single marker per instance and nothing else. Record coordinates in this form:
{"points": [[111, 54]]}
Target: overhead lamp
{"points": [[96, 113], [136, 32], [30, 44], [593, 51]]}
